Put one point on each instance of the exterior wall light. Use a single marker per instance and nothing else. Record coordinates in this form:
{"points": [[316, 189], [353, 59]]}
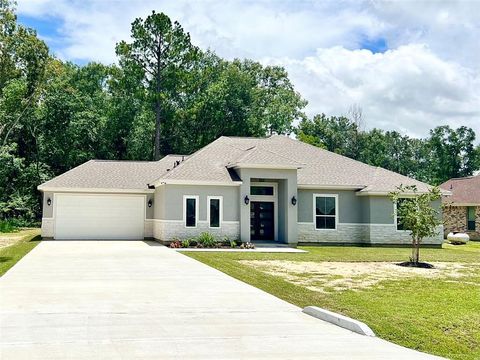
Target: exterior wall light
{"points": [[294, 200], [150, 203], [49, 201], [246, 200]]}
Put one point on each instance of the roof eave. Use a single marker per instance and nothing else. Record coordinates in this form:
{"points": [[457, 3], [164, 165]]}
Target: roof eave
{"points": [[94, 190], [196, 182], [263, 166], [330, 187]]}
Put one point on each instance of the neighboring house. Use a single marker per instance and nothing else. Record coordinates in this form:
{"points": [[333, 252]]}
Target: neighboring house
{"points": [[274, 188], [462, 209]]}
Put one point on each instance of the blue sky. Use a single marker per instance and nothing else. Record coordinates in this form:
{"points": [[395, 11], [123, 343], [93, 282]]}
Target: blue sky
{"points": [[410, 65]]}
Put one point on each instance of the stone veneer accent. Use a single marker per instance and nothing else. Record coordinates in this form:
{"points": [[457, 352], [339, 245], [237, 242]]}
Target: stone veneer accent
{"points": [[381, 234], [168, 230], [455, 219], [47, 227]]}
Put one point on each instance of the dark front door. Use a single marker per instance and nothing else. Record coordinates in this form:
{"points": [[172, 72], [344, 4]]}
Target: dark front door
{"points": [[262, 220]]}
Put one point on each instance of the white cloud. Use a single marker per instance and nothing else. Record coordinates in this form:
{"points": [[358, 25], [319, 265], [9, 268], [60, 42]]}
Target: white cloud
{"points": [[428, 78], [408, 89]]}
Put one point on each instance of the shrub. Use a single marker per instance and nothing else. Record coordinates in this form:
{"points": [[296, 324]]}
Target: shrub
{"points": [[186, 243], [175, 244], [7, 226], [247, 245], [206, 240]]}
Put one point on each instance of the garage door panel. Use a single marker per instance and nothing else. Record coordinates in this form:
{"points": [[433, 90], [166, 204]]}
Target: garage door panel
{"points": [[99, 216]]}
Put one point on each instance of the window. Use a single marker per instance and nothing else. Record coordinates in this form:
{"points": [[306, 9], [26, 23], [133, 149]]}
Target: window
{"points": [[214, 211], [471, 218], [325, 216], [190, 210], [400, 225], [261, 190]]}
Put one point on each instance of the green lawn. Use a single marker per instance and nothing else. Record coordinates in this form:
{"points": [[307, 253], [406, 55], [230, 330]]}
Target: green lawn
{"points": [[21, 243], [435, 315]]}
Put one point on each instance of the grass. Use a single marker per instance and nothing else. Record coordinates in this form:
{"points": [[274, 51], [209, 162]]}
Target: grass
{"points": [[10, 255], [439, 316]]}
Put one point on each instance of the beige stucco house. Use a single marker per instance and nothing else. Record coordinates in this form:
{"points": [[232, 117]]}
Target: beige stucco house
{"points": [[462, 209], [269, 189]]}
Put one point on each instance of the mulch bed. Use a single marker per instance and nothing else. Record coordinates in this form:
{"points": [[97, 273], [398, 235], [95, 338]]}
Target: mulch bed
{"points": [[422, 265]]}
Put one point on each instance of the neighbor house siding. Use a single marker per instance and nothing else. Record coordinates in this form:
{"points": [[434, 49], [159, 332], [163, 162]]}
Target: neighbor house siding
{"points": [[169, 223], [455, 219]]}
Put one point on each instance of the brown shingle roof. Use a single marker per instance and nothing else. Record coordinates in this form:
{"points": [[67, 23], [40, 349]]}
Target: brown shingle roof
{"points": [[215, 162], [315, 166], [464, 190], [106, 174]]}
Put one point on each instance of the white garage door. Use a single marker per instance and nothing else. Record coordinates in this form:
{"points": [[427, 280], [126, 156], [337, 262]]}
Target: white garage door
{"points": [[86, 216]]}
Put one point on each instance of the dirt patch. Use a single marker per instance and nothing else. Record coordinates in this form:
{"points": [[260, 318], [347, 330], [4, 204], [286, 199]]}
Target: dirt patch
{"points": [[7, 239], [338, 276]]}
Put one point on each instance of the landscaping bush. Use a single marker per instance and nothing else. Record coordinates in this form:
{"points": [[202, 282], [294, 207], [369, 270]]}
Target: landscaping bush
{"points": [[7, 226], [175, 244], [207, 240], [247, 245], [186, 243]]}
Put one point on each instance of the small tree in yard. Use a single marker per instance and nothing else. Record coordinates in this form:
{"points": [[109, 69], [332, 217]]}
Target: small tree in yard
{"points": [[416, 214]]}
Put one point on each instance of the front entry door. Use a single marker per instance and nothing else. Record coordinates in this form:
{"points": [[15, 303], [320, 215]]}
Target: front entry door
{"points": [[262, 220]]}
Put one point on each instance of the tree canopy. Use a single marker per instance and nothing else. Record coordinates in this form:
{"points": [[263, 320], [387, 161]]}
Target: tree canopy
{"points": [[165, 95]]}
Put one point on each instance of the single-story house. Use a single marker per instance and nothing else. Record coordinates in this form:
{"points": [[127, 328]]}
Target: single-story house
{"points": [[462, 209], [268, 189]]}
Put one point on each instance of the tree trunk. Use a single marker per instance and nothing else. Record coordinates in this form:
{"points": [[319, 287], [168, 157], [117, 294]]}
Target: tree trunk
{"points": [[158, 89], [415, 251], [158, 123]]}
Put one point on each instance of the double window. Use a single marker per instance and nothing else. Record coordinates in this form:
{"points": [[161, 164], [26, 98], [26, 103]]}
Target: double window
{"points": [[471, 218], [325, 211], [191, 211]]}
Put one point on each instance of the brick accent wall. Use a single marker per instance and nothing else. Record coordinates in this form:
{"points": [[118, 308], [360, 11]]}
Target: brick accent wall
{"points": [[455, 219], [380, 234], [168, 230]]}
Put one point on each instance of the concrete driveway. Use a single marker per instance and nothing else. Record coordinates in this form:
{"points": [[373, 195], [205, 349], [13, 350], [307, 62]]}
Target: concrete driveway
{"points": [[140, 300]]}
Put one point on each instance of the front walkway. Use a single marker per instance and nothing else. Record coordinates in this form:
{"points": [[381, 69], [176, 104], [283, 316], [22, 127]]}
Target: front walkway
{"points": [[139, 300]]}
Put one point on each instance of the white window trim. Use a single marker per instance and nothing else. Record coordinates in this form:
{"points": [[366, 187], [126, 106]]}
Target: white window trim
{"points": [[185, 197], [315, 212], [220, 208], [395, 217]]}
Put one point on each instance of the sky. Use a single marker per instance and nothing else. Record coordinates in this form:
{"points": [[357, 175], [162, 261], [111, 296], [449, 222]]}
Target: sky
{"points": [[409, 65]]}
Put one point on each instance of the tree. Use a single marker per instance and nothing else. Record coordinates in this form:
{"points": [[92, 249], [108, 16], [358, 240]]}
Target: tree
{"points": [[452, 153], [337, 134], [416, 214], [162, 51]]}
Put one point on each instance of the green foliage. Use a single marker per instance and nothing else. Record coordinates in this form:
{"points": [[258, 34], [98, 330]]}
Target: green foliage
{"points": [[186, 243], [206, 240], [168, 96], [7, 226], [417, 214], [445, 154]]}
